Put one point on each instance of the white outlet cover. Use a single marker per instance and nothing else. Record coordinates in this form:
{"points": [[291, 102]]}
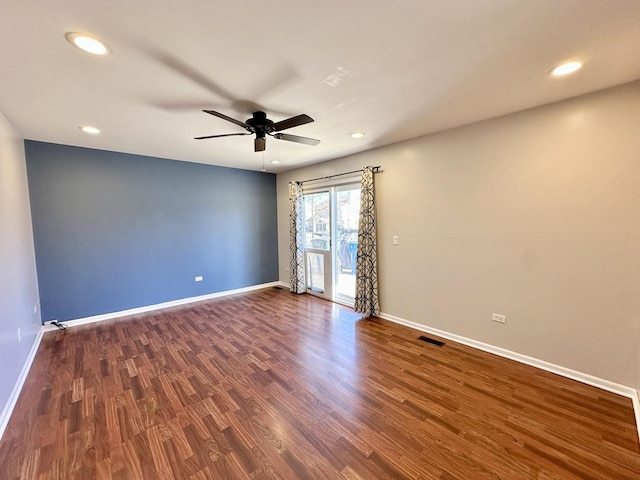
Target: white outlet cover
{"points": [[198, 278]]}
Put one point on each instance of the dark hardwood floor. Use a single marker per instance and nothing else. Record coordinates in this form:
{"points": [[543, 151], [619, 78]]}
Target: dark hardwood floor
{"points": [[270, 385]]}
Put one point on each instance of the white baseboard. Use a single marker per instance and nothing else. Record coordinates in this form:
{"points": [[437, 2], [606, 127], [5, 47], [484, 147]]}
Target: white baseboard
{"points": [[636, 408], [607, 385], [158, 306], [15, 393]]}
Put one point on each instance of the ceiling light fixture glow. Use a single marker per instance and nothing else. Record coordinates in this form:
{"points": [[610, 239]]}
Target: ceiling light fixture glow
{"points": [[275, 162], [90, 129], [357, 135], [566, 69], [87, 43]]}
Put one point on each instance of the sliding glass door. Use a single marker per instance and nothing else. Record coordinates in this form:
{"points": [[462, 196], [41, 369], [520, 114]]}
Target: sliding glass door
{"points": [[331, 241]]}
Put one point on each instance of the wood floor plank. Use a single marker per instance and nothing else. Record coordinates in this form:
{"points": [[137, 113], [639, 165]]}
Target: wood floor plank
{"points": [[271, 385]]}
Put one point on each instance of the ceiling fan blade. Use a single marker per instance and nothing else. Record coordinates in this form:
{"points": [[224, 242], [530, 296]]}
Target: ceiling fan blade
{"points": [[291, 122], [297, 139], [224, 117], [223, 135], [260, 144]]}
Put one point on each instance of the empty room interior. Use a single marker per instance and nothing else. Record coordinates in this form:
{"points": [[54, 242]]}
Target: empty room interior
{"points": [[284, 240]]}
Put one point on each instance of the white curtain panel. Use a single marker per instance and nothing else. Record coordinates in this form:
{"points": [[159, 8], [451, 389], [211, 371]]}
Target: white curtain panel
{"points": [[296, 242], [366, 300]]}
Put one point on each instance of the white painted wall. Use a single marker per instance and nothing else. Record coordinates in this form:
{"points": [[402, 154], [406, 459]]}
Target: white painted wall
{"points": [[18, 282], [534, 215]]}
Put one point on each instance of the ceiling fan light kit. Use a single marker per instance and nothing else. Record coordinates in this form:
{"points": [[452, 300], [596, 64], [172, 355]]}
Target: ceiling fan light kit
{"points": [[260, 126]]}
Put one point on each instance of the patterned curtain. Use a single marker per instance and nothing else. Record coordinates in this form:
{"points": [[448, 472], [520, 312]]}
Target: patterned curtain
{"points": [[296, 242], [366, 300]]}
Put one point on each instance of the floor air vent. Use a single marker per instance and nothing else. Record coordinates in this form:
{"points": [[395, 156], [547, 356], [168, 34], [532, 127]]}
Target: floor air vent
{"points": [[278, 288], [438, 343]]}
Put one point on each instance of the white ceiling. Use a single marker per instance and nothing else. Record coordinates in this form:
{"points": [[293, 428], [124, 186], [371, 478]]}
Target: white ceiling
{"points": [[406, 69]]}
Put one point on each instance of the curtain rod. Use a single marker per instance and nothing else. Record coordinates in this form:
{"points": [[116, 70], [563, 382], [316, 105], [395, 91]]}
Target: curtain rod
{"points": [[375, 170]]}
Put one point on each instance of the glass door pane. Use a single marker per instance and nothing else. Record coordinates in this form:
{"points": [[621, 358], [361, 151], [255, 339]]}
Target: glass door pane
{"points": [[318, 254], [347, 207]]}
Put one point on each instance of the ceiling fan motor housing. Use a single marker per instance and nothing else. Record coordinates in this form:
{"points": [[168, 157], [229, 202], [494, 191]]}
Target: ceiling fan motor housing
{"points": [[260, 124]]}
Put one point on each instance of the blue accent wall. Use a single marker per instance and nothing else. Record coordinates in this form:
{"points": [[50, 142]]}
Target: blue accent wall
{"points": [[116, 231]]}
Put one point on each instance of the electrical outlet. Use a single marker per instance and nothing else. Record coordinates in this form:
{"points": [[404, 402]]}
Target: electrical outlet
{"points": [[396, 240], [198, 278], [19, 334], [496, 317]]}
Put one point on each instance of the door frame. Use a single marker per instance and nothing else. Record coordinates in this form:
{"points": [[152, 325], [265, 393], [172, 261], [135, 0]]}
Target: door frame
{"points": [[330, 256]]}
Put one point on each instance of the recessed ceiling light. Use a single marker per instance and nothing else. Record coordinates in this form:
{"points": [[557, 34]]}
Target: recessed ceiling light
{"points": [[566, 69], [275, 162], [357, 135], [87, 43], [90, 129]]}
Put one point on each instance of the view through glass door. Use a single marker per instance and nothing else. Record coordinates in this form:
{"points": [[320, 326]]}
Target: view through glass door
{"points": [[331, 241]]}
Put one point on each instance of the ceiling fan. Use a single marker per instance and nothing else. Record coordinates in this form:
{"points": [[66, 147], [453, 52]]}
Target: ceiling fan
{"points": [[261, 126]]}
